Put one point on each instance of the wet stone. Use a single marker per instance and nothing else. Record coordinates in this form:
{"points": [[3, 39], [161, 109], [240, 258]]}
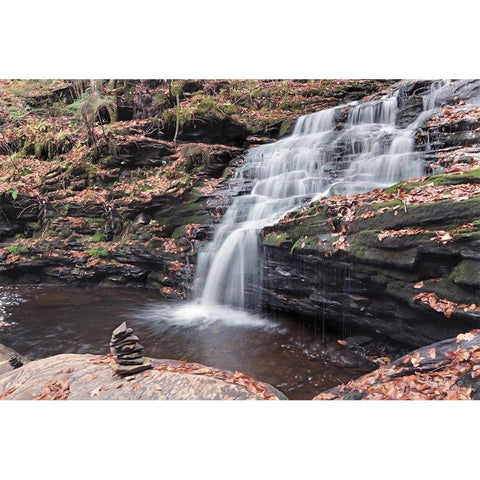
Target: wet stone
{"points": [[15, 361], [128, 352]]}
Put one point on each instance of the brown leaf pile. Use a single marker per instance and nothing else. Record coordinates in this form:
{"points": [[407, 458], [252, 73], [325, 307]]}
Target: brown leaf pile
{"points": [[398, 233], [170, 246], [236, 378], [439, 382], [54, 391], [341, 243], [439, 305], [454, 113], [443, 305], [443, 237]]}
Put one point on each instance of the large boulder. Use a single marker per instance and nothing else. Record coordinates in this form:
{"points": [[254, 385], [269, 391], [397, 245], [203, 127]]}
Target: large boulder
{"points": [[446, 370], [90, 377]]}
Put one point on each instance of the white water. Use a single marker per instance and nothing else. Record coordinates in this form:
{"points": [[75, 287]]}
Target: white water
{"points": [[369, 152]]}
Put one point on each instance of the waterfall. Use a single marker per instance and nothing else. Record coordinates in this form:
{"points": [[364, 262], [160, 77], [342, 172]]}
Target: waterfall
{"points": [[323, 156]]}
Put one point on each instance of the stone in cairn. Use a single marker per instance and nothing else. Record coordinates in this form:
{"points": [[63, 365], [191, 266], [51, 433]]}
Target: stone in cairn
{"points": [[15, 361], [124, 344]]}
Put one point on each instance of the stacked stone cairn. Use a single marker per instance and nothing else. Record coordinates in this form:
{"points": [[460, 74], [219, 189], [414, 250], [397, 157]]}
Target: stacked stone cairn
{"points": [[15, 361], [124, 345]]}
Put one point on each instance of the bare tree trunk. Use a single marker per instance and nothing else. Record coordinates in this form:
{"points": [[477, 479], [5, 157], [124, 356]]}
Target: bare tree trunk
{"points": [[177, 123]]}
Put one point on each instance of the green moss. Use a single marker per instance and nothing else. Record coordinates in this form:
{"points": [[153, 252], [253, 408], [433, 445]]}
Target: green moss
{"points": [[98, 252], [376, 256], [275, 240], [98, 237], [377, 206], [472, 176], [446, 288], [397, 290], [467, 273], [438, 214], [33, 225], [18, 249], [93, 220], [178, 233], [284, 127], [306, 243]]}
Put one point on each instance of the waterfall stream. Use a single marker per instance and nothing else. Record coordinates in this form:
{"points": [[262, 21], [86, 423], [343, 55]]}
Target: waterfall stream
{"points": [[327, 154]]}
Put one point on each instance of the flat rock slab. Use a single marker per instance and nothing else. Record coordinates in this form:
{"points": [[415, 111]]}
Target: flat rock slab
{"points": [[90, 377]]}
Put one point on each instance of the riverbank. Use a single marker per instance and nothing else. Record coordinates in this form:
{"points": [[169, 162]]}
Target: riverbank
{"points": [[447, 370]]}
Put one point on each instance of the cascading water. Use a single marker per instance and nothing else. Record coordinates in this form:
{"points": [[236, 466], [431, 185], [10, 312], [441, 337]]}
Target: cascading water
{"points": [[322, 157]]}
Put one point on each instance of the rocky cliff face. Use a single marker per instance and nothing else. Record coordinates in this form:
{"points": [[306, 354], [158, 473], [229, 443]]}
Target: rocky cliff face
{"points": [[403, 261], [125, 196]]}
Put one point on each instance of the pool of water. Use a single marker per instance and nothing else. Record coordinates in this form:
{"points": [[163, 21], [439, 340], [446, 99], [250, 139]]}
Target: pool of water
{"points": [[285, 352]]}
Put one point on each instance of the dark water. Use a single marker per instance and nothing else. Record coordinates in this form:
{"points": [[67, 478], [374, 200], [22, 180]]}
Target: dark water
{"points": [[284, 352]]}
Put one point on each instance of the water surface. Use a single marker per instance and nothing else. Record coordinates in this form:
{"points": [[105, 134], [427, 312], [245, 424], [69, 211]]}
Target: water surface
{"points": [[285, 352]]}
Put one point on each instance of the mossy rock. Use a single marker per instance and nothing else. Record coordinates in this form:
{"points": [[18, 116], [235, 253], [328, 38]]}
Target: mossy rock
{"points": [[472, 176], [446, 288], [276, 239], [467, 273], [369, 238], [308, 242], [402, 259], [435, 215]]}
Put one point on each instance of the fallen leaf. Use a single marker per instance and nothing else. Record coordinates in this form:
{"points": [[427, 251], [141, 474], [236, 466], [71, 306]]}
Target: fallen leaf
{"points": [[95, 392], [416, 359], [465, 337]]}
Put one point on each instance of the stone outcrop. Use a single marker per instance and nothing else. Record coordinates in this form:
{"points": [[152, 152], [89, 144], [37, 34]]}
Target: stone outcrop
{"points": [[403, 261], [132, 206], [90, 377], [370, 282], [447, 370]]}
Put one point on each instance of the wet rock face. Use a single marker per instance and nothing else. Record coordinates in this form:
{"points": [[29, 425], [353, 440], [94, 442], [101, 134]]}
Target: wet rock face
{"points": [[392, 254], [419, 236], [90, 377], [210, 130]]}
